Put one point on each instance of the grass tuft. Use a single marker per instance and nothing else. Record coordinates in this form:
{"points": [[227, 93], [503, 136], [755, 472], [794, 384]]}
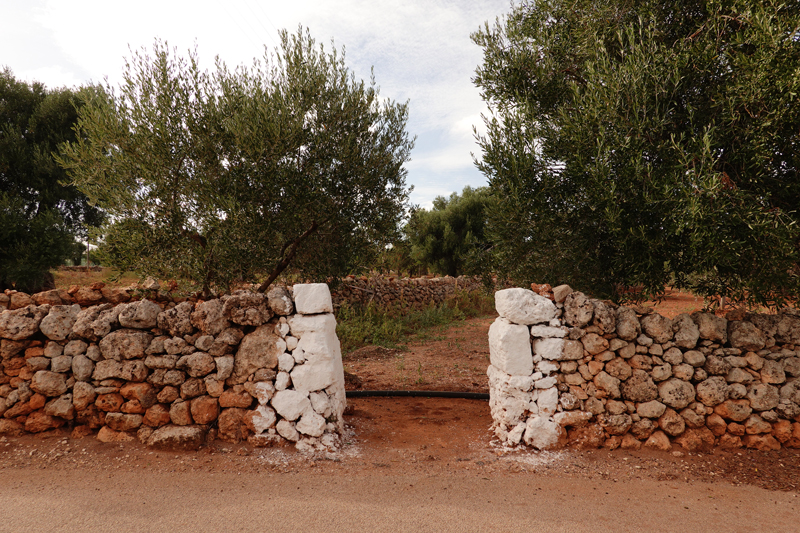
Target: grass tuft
{"points": [[373, 325]]}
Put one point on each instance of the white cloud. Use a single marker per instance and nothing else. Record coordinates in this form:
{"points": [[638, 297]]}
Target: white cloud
{"points": [[420, 49]]}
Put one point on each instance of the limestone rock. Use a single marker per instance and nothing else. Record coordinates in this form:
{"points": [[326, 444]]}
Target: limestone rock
{"points": [[123, 422], [604, 317], [82, 368], [523, 306], [125, 344], [185, 438], [572, 418], [286, 430], [48, 383], [685, 331], [763, 397], [312, 298], [578, 310], [177, 321], [22, 323], [180, 413], [672, 423], [311, 424], [141, 392], [619, 369], [209, 318], [510, 347], [712, 391], [197, 365], [594, 343], [711, 327], [639, 387], [735, 410], [773, 372], [651, 409], [156, 416], [696, 439], [204, 409], [261, 419], [745, 336], [657, 327], [607, 384], [259, 349], [628, 326], [676, 393], [57, 325], [615, 424], [139, 315], [542, 433], [280, 301], [561, 292], [247, 308], [290, 404], [62, 407], [83, 395]]}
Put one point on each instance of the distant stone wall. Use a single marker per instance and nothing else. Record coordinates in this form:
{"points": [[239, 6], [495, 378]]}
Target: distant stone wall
{"points": [[585, 373], [266, 368], [411, 292]]}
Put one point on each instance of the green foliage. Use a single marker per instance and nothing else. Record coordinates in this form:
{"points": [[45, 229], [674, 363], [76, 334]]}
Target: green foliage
{"points": [[390, 327], [638, 142], [449, 239], [236, 174], [40, 217]]}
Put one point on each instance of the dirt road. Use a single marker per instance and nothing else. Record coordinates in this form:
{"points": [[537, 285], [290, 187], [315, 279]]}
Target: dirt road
{"points": [[304, 500]]}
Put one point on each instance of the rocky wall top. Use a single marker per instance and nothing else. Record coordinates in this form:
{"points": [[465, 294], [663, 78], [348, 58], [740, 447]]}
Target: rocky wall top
{"points": [[391, 291], [590, 373]]}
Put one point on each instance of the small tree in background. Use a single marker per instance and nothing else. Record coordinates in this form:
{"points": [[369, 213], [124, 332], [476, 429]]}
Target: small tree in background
{"points": [[646, 142], [40, 215], [236, 174], [449, 239]]}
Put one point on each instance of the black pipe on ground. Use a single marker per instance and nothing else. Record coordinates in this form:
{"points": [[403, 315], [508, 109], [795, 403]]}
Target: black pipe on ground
{"points": [[417, 394]]}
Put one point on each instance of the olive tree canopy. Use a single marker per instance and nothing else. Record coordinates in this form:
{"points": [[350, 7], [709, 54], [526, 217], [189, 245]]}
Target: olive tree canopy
{"points": [[234, 175], [643, 142]]}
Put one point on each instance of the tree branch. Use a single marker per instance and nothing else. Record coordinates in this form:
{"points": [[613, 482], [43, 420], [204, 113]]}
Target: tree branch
{"points": [[281, 266]]}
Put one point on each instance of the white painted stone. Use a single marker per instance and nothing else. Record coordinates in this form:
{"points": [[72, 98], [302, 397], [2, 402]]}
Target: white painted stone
{"points": [[321, 403], [552, 349], [510, 348], [282, 381], [523, 306], [287, 431], [312, 298], [504, 382], [313, 375], [549, 331], [546, 383], [290, 404], [299, 356], [546, 367], [542, 433], [548, 401], [299, 324], [515, 435], [311, 424], [283, 328], [285, 362], [291, 342], [263, 419], [265, 390]]}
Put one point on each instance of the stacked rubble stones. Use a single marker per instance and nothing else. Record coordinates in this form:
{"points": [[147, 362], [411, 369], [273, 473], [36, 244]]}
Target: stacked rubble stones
{"points": [[402, 292], [265, 368], [587, 373]]}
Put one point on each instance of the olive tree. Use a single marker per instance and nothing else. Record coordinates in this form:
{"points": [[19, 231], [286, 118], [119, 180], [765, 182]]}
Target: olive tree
{"points": [[236, 174], [642, 142]]}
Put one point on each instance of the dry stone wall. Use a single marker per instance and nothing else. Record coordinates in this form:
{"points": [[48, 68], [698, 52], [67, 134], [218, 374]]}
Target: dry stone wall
{"points": [[586, 373], [266, 368], [411, 292]]}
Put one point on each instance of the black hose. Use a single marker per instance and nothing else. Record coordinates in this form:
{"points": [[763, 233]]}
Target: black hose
{"points": [[417, 394]]}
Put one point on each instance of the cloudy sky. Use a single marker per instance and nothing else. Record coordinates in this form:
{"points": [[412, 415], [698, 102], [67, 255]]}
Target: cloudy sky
{"points": [[420, 50]]}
